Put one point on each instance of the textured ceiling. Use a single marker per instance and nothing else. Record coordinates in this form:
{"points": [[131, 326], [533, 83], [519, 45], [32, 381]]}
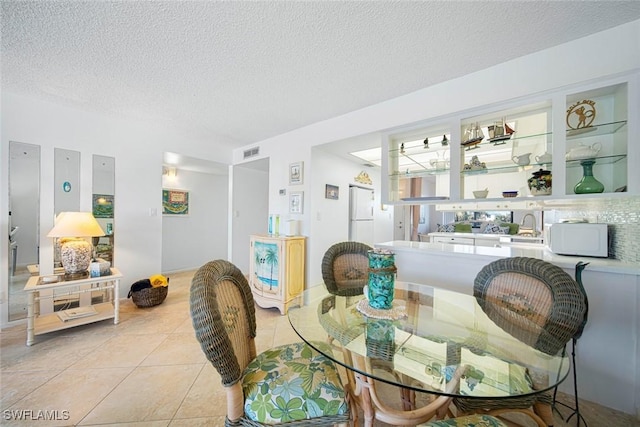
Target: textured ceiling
{"points": [[246, 71]]}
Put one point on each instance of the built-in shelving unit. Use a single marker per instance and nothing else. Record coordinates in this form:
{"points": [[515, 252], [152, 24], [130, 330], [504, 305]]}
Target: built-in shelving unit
{"points": [[441, 161]]}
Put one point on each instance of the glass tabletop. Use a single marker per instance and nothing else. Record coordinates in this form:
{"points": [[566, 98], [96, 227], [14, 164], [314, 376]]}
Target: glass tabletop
{"points": [[440, 333]]}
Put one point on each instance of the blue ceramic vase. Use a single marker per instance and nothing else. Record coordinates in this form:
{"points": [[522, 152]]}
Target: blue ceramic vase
{"points": [[382, 275]]}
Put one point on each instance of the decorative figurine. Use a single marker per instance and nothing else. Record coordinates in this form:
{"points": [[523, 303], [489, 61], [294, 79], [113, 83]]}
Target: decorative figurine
{"points": [[580, 117], [472, 136]]}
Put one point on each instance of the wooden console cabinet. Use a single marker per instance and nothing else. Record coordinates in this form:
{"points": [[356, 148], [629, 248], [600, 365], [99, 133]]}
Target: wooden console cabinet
{"points": [[276, 270]]}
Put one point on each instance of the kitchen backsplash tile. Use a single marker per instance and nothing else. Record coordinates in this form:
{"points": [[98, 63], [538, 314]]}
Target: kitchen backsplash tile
{"points": [[623, 217]]}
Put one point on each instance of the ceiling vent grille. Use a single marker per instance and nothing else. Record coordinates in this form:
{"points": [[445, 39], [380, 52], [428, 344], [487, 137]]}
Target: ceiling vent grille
{"points": [[251, 152]]}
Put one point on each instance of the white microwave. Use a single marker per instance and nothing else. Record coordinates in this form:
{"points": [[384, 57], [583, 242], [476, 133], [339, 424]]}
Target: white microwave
{"points": [[579, 239]]}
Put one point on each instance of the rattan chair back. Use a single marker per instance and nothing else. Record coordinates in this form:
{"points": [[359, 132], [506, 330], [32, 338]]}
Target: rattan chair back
{"points": [[345, 268], [533, 300], [537, 303], [223, 316]]}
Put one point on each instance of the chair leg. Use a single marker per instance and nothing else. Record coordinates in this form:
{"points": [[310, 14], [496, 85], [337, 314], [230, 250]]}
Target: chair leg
{"points": [[576, 407], [545, 412]]}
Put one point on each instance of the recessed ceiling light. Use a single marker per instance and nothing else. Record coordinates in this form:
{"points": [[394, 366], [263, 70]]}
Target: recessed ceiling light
{"points": [[371, 155]]}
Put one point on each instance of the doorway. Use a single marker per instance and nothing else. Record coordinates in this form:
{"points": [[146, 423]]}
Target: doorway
{"points": [[198, 232], [250, 208]]}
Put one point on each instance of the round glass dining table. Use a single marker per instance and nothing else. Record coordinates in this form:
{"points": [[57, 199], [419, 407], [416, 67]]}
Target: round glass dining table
{"points": [[433, 340]]}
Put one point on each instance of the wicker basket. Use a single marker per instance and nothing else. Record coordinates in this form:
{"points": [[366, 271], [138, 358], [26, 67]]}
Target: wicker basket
{"points": [[149, 297]]}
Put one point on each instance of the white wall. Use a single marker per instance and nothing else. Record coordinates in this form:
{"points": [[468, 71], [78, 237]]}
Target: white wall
{"points": [[329, 219], [190, 241], [138, 150]]}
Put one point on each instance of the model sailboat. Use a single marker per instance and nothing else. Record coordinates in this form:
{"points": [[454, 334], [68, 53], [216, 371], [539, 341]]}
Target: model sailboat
{"points": [[472, 136], [500, 132]]}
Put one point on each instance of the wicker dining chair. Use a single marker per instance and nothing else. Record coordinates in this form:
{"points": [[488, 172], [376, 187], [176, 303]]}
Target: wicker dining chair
{"points": [[540, 305], [345, 268], [290, 385]]}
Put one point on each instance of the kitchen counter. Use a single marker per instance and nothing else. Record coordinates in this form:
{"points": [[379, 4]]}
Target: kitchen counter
{"points": [[488, 254]]}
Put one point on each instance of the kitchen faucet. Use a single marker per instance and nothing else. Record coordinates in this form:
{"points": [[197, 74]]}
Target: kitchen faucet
{"points": [[533, 231]]}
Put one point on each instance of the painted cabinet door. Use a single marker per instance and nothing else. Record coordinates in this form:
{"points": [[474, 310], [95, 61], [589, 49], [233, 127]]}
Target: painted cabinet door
{"points": [[265, 263], [277, 270]]}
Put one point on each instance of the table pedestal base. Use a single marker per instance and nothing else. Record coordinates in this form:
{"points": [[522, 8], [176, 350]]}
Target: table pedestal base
{"points": [[365, 394]]}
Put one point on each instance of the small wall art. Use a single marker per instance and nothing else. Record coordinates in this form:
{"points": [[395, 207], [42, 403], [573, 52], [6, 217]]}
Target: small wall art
{"points": [[363, 178], [296, 201], [296, 173], [175, 202], [331, 192], [103, 205]]}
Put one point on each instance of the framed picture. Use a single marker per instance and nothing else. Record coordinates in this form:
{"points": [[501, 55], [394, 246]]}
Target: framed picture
{"points": [[103, 205], [331, 192], [175, 202], [296, 200], [296, 173]]}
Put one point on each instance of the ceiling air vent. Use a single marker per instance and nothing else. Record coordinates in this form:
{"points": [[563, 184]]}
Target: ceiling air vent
{"points": [[251, 152]]}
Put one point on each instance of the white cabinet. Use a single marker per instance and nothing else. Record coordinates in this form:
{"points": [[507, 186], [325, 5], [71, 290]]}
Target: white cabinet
{"points": [[491, 205], [459, 206], [453, 240], [483, 239], [419, 164], [277, 270], [505, 162], [597, 137], [479, 241], [570, 132]]}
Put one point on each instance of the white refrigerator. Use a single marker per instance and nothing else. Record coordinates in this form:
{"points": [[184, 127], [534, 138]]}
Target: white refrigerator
{"points": [[361, 215]]}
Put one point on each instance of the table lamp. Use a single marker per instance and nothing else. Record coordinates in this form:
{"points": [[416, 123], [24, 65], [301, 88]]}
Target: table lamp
{"points": [[75, 251]]}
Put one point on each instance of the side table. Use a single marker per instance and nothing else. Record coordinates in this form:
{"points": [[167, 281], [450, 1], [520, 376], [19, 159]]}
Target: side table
{"points": [[43, 291]]}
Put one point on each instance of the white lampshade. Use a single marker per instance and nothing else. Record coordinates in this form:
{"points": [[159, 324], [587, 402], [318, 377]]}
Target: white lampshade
{"points": [[75, 252], [76, 224]]}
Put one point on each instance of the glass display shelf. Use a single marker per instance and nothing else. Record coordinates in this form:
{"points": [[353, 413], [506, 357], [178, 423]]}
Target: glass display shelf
{"points": [[532, 167], [600, 160], [423, 199], [488, 143], [418, 146], [596, 130], [418, 157], [419, 173]]}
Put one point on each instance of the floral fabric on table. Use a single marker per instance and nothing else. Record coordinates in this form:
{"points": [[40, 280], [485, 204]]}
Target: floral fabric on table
{"points": [[468, 421], [292, 382]]}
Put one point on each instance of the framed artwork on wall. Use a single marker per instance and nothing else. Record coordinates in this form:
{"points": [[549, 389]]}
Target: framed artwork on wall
{"points": [[103, 205], [296, 200], [175, 202], [331, 192], [296, 173]]}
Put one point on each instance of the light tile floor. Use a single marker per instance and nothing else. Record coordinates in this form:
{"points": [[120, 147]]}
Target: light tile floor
{"points": [[146, 371]]}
